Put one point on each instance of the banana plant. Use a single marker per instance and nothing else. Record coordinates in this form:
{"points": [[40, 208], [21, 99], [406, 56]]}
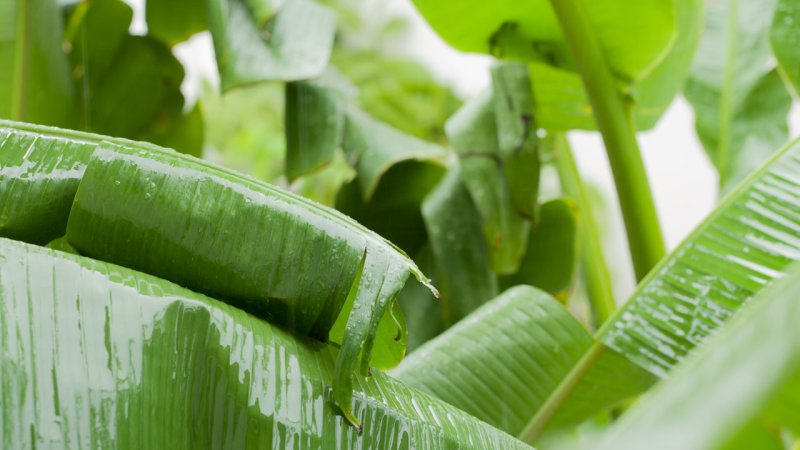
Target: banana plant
{"points": [[135, 279]]}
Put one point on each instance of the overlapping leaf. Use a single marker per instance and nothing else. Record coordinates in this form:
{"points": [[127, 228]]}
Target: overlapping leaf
{"points": [[741, 248], [712, 396], [394, 170], [501, 362], [495, 137], [91, 350], [550, 257], [561, 103], [461, 256], [633, 34], [192, 236], [128, 86]]}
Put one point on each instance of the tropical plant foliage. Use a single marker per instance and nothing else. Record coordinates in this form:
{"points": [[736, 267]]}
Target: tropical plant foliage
{"points": [[137, 279]]}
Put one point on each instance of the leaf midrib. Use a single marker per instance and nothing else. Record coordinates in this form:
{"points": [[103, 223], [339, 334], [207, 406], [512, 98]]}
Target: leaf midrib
{"points": [[21, 61], [725, 112]]}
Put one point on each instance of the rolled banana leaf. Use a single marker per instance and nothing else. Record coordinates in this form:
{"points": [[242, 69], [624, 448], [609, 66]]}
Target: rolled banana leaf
{"points": [[270, 252]]}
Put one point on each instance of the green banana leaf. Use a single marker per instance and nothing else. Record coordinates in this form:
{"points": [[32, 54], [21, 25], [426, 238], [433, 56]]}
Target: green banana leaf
{"points": [[740, 103], [261, 40], [29, 172], [784, 37], [551, 255], [314, 122], [727, 383], [174, 21], [423, 313], [502, 178], [633, 35], [502, 361], [100, 356], [394, 211], [200, 230], [518, 143], [128, 86], [34, 82], [652, 95], [373, 148], [560, 100], [537, 343], [742, 247], [459, 249], [394, 170]]}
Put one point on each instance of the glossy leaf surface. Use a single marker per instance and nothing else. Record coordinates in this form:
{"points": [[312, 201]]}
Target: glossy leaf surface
{"points": [[34, 82], [739, 101], [632, 34], [459, 249], [713, 395], [91, 350], [39, 175], [502, 361], [741, 248], [290, 42], [200, 230], [121, 179]]}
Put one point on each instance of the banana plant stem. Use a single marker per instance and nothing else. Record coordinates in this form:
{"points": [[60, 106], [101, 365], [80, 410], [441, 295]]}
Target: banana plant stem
{"points": [[612, 115], [593, 262]]}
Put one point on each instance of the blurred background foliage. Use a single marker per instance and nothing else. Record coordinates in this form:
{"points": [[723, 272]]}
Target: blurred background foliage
{"points": [[244, 126]]}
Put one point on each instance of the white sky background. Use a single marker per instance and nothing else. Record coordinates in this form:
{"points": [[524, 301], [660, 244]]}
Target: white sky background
{"points": [[683, 181]]}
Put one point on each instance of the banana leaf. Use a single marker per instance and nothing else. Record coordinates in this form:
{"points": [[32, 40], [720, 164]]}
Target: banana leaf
{"points": [[502, 361], [495, 138], [742, 247], [740, 103], [560, 103], [459, 249], [633, 35], [100, 356], [35, 81], [726, 384], [784, 37], [126, 85], [200, 228], [174, 21], [394, 170], [266, 40], [314, 123], [550, 258]]}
